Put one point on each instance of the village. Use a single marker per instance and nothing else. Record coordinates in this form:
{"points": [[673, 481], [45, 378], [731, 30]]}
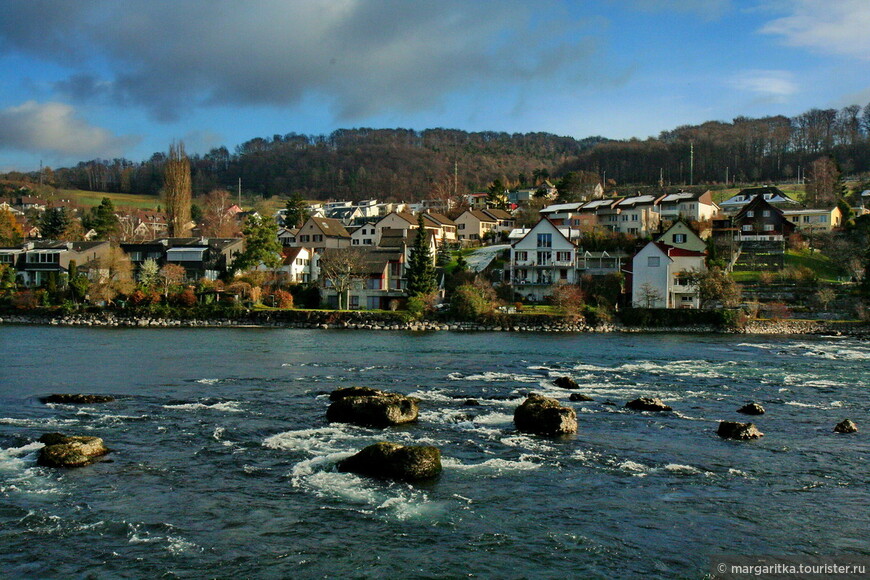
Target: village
{"points": [[516, 250]]}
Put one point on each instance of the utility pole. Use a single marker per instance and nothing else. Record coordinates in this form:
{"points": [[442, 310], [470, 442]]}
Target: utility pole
{"points": [[240, 192], [726, 176]]}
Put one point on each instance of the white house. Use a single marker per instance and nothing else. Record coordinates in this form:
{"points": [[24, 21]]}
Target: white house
{"points": [[659, 277], [364, 235], [540, 259]]}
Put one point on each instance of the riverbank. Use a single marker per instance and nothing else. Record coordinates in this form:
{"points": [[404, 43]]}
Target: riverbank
{"points": [[359, 320]]}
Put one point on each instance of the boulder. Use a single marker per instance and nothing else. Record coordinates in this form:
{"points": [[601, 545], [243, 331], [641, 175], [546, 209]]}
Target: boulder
{"points": [[393, 461], [77, 399], [740, 431], [381, 409], [648, 404], [354, 392], [751, 409], [579, 397], [846, 426], [544, 416], [74, 451], [471, 403], [566, 383]]}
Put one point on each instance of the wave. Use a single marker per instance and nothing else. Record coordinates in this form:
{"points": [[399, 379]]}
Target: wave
{"points": [[494, 466], [226, 406]]}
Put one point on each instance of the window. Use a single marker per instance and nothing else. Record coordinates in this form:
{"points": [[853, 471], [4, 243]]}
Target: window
{"points": [[317, 238], [354, 302], [823, 219], [806, 219], [679, 238], [750, 213], [461, 226], [367, 242], [304, 238], [355, 242], [563, 256], [136, 256], [544, 258], [768, 227], [563, 273], [521, 256], [747, 228], [374, 284], [7, 258], [766, 213], [635, 217], [653, 261], [545, 240]]}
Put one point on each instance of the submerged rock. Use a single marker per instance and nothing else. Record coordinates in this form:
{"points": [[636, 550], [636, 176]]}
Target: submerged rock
{"points": [[74, 451], [378, 409], [77, 399], [846, 426], [648, 404], [740, 431], [751, 409], [544, 416], [471, 403], [566, 383], [393, 461], [580, 397]]}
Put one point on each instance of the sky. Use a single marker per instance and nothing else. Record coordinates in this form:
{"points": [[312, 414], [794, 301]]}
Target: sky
{"points": [[90, 79]]}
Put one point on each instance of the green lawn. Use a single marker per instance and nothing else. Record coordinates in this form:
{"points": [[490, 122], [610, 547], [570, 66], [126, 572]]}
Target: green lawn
{"points": [[824, 268], [93, 198]]}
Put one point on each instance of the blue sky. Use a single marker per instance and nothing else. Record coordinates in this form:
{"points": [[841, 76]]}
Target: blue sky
{"points": [[119, 78]]}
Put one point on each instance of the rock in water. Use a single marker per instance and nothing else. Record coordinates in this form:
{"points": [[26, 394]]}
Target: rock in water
{"points": [[63, 451], [846, 426], [740, 431], [579, 397], [355, 392], [392, 461], [648, 404], [77, 399], [566, 383], [544, 416], [380, 409], [751, 409]]}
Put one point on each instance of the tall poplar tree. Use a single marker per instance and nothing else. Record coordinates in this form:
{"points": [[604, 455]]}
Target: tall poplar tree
{"points": [[421, 271], [177, 190]]}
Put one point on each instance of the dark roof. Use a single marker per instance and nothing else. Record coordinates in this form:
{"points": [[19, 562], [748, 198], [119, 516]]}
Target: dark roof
{"points": [[331, 227]]}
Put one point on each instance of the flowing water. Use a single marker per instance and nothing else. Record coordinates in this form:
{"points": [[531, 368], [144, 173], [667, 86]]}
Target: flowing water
{"points": [[223, 464]]}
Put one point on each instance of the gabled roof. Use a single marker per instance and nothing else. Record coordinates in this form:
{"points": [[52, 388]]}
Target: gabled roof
{"points": [[682, 196], [498, 214], [637, 200], [437, 218], [561, 207], [480, 215], [601, 203], [330, 227], [290, 254], [564, 232]]}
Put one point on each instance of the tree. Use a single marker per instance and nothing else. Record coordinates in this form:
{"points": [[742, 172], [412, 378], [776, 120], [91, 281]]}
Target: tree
{"points": [[497, 195], [421, 270], [342, 267], [171, 275], [149, 273], [8, 280], [444, 254], [11, 232], [217, 221], [568, 298], [103, 220], [824, 296], [297, 211], [576, 186], [177, 190], [650, 295], [472, 301], [261, 245], [715, 286], [111, 276], [824, 186], [54, 222]]}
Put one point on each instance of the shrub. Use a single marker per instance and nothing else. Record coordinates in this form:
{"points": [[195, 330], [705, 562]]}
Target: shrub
{"points": [[138, 298], [25, 300], [778, 310], [472, 302], [283, 299]]}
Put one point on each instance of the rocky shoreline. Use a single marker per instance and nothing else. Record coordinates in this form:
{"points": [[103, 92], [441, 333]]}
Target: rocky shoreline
{"points": [[359, 321]]}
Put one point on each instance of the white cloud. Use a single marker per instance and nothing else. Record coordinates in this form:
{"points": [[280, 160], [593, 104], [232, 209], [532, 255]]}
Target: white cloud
{"points": [[772, 85], [55, 129], [838, 27]]}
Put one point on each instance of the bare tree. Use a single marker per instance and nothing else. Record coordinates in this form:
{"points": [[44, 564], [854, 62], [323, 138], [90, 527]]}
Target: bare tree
{"points": [[177, 190], [171, 275], [342, 268], [217, 221], [650, 295]]}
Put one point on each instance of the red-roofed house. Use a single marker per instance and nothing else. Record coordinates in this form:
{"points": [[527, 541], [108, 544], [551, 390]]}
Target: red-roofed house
{"points": [[659, 276]]}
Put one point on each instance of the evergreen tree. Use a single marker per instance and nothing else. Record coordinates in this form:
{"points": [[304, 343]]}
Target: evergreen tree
{"points": [[261, 244], [54, 222], [421, 271], [297, 212], [444, 255], [103, 220]]}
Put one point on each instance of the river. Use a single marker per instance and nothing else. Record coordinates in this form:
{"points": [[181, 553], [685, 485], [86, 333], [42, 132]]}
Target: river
{"points": [[223, 464]]}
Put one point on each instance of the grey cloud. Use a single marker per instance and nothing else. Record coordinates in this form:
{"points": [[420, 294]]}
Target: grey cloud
{"points": [[55, 129], [361, 57]]}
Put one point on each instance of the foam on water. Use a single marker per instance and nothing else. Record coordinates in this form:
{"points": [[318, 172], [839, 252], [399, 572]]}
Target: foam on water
{"points": [[37, 422], [494, 466], [495, 377], [318, 440], [226, 406]]}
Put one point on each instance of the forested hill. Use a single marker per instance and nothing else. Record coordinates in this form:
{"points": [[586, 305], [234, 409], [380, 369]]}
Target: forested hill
{"points": [[404, 164], [350, 164]]}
